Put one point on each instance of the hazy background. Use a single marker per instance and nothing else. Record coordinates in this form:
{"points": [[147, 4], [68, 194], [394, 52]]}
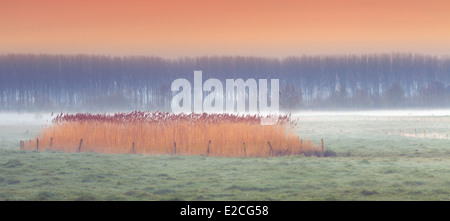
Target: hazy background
{"points": [[104, 83]]}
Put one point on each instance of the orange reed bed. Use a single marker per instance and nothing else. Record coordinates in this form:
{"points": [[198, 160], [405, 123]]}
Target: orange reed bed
{"points": [[163, 133]]}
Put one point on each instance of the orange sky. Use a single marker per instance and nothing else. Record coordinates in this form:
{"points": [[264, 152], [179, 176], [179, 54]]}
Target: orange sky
{"points": [[224, 27]]}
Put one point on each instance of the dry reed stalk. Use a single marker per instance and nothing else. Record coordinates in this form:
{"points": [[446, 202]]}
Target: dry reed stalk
{"points": [[156, 133]]}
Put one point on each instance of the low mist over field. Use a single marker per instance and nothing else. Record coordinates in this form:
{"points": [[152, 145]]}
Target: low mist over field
{"points": [[45, 118]]}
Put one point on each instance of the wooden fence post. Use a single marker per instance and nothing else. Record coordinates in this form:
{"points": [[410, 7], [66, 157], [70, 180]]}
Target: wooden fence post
{"points": [[51, 142], [79, 147], [132, 147], [175, 147], [271, 148], [322, 143], [245, 152], [207, 151], [37, 144]]}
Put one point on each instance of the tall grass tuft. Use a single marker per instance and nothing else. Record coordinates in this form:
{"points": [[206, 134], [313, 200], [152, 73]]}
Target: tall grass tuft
{"points": [[163, 133]]}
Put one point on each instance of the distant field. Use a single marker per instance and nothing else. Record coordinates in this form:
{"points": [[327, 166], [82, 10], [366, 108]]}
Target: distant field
{"points": [[379, 158]]}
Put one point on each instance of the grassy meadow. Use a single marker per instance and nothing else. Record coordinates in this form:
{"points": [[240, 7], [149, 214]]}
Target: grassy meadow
{"points": [[377, 159]]}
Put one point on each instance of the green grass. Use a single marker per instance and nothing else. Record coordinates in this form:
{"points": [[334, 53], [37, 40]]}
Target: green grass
{"points": [[371, 165]]}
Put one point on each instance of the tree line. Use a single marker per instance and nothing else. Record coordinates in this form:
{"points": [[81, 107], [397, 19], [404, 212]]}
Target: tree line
{"points": [[43, 82]]}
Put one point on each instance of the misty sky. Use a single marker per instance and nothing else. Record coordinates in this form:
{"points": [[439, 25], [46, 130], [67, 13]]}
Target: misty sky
{"points": [[224, 27]]}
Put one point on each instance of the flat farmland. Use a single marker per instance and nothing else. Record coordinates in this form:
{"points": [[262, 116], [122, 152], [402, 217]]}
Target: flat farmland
{"points": [[385, 157]]}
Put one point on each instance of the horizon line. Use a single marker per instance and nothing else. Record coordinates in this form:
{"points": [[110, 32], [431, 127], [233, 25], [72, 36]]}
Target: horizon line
{"points": [[227, 55]]}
